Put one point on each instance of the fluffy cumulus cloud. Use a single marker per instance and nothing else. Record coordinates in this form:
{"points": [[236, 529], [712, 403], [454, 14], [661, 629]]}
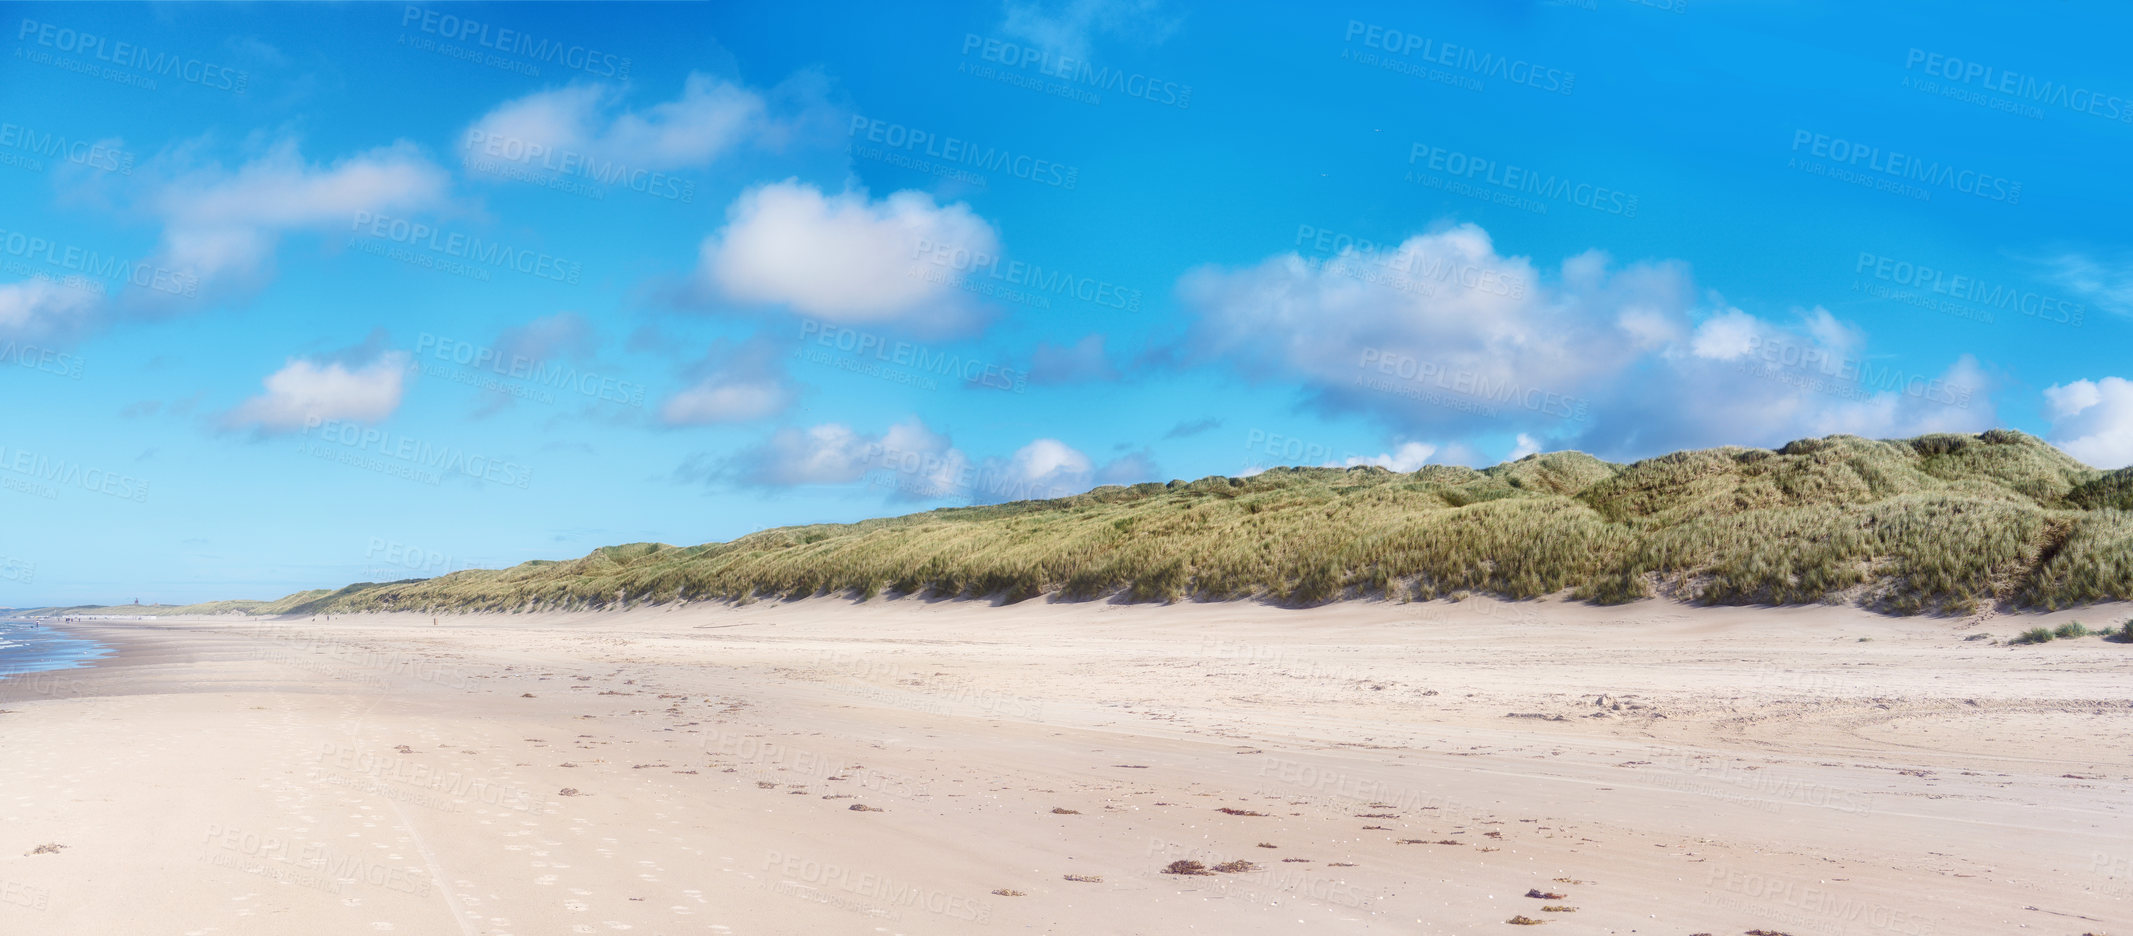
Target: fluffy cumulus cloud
{"points": [[1745, 380], [850, 259], [220, 226], [912, 462], [587, 129], [2092, 420], [734, 383], [40, 309], [909, 457], [306, 392], [1409, 456], [1444, 334], [1525, 445]]}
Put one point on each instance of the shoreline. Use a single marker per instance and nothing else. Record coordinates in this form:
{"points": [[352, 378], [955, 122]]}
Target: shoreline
{"points": [[2113, 611]]}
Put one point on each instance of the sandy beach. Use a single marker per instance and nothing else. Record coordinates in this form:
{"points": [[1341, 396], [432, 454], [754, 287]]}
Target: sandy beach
{"points": [[906, 767]]}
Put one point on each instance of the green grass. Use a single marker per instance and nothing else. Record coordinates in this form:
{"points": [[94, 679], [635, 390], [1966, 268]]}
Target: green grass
{"points": [[2034, 635], [1940, 523]]}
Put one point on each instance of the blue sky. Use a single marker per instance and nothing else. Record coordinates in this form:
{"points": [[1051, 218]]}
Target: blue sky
{"points": [[303, 294]]}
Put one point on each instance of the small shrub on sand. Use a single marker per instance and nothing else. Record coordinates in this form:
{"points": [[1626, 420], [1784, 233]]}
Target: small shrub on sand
{"points": [[1063, 811], [1523, 920], [2034, 635], [2070, 631], [1236, 867], [1558, 908], [2124, 633], [1538, 894], [1239, 812], [1186, 866], [1086, 878], [1005, 892]]}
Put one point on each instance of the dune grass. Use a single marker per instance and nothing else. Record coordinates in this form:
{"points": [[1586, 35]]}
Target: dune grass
{"points": [[1939, 523]]}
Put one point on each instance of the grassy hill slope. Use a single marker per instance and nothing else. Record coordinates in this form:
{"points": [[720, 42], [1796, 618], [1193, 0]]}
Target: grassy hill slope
{"points": [[1939, 523]]}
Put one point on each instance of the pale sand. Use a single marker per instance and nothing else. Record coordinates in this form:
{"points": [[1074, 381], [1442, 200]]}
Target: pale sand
{"points": [[1766, 769]]}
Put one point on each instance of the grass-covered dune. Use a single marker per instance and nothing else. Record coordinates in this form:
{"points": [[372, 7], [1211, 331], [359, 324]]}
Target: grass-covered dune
{"points": [[1944, 523]]}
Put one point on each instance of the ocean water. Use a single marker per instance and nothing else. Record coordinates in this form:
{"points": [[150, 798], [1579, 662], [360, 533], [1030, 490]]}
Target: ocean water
{"points": [[26, 647]]}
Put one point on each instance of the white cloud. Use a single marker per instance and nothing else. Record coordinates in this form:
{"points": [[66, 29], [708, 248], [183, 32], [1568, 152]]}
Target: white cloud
{"points": [[1130, 468], [1437, 353], [1527, 445], [41, 308], [2106, 282], [714, 402], [916, 463], [220, 226], [830, 453], [1044, 468], [1410, 456], [834, 453], [847, 259], [305, 391], [568, 126], [734, 383], [1081, 362], [1068, 27], [2092, 420], [1446, 335]]}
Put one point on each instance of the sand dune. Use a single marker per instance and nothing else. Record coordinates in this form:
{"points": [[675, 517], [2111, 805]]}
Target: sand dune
{"points": [[913, 767]]}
